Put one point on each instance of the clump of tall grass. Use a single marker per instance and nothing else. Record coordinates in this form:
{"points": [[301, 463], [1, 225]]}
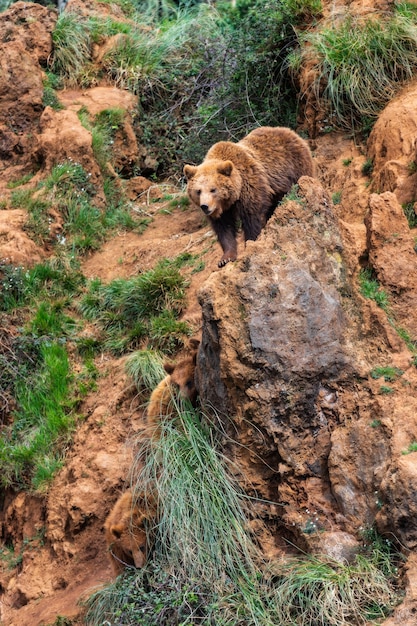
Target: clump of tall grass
{"points": [[316, 590], [146, 368], [320, 590], [203, 526], [203, 549], [72, 47], [206, 568], [361, 62]]}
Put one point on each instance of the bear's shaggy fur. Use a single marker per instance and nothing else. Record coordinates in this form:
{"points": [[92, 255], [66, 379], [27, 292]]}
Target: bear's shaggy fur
{"points": [[245, 181], [125, 530], [181, 379]]}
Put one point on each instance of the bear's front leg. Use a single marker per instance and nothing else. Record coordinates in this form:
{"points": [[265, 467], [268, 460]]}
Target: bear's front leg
{"points": [[226, 234]]}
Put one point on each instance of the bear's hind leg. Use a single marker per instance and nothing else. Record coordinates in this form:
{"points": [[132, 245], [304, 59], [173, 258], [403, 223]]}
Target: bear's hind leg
{"points": [[252, 224]]}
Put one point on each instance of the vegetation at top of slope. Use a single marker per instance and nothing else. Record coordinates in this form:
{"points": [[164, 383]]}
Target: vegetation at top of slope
{"points": [[361, 61], [205, 74], [201, 73]]}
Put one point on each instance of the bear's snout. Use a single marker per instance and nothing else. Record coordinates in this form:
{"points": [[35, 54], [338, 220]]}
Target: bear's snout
{"points": [[205, 208]]}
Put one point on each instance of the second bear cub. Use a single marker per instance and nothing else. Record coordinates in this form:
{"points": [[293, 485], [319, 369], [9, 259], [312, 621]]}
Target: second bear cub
{"points": [[126, 532], [181, 378]]}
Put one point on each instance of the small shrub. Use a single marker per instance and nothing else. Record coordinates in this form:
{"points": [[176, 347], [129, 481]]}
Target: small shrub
{"points": [[411, 448], [386, 390], [294, 196], [370, 288], [337, 197], [367, 167], [410, 214]]}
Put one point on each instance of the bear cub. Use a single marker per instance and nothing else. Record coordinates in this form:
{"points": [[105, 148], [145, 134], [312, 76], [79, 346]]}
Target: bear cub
{"points": [[244, 181], [126, 533], [181, 379]]}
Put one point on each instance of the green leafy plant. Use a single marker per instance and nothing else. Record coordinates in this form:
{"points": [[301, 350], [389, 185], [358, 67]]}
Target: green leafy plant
{"points": [[367, 167], [50, 84], [337, 197], [386, 390]]}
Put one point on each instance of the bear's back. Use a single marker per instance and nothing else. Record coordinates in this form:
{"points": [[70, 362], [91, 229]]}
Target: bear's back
{"points": [[242, 156], [284, 155]]}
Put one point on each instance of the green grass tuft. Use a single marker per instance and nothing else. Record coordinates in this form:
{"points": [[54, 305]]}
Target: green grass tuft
{"points": [[146, 368], [31, 447], [128, 310], [370, 288], [362, 62]]}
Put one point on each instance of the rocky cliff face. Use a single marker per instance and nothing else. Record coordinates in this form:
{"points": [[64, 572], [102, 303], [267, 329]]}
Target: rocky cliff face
{"points": [[286, 361], [290, 347]]}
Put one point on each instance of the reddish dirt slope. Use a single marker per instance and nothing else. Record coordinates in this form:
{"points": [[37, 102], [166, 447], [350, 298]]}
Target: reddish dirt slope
{"points": [[71, 561]]}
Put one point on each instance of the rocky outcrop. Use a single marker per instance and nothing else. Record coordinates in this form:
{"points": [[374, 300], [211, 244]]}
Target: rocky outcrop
{"points": [[392, 147], [285, 366]]}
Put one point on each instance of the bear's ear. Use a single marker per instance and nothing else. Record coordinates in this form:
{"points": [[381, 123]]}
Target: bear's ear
{"points": [[189, 171], [116, 531], [169, 368], [194, 343], [225, 168]]}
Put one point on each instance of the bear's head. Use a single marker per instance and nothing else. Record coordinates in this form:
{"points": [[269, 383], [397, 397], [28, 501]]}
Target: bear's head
{"points": [[182, 373], [126, 532], [214, 186]]}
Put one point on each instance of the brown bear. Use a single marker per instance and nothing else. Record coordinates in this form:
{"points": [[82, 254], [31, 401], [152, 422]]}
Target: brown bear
{"points": [[181, 379], [126, 533], [245, 181]]}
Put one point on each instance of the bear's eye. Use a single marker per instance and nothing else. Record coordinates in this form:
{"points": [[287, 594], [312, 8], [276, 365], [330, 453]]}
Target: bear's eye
{"points": [[198, 192], [213, 190]]}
